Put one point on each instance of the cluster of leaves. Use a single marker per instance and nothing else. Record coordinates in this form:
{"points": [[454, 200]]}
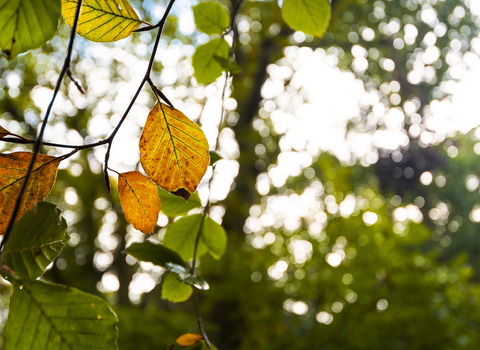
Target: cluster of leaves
{"points": [[174, 156]]}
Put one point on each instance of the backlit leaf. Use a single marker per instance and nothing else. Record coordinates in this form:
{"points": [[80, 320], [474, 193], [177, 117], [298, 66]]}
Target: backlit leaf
{"points": [[5, 132], [155, 253], [181, 235], [174, 151], [211, 17], [205, 60], [13, 168], [139, 199], [309, 16], [35, 241], [214, 157], [186, 277], [46, 316], [27, 24], [173, 205], [102, 20], [174, 290], [189, 339]]}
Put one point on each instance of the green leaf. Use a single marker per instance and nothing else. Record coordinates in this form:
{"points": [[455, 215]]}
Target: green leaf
{"points": [[27, 24], [157, 254], [228, 65], [214, 157], [46, 316], [211, 17], [187, 278], [207, 68], [309, 16], [35, 241], [101, 20], [181, 235], [174, 290], [175, 205]]}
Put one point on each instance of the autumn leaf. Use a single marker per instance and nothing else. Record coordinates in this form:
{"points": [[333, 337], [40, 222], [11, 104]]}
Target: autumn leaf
{"points": [[189, 339], [139, 199], [102, 20], [4, 132], [174, 151], [13, 168]]}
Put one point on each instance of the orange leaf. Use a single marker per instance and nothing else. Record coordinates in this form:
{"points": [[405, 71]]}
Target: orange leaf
{"points": [[140, 200], [4, 132], [189, 339], [13, 168], [174, 151]]}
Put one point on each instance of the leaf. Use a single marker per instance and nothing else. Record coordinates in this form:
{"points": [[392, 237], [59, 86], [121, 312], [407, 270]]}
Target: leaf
{"points": [[139, 199], [35, 241], [211, 17], [173, 205], [13, 168], [189, 339], [27, 24], [5, 132], [228, 65], [157, 254], [174, 151], [181, 236], [102, 20], [187, 278], [207, 68], [309, 16], [46, 316], [214, 157], [174, 290]]}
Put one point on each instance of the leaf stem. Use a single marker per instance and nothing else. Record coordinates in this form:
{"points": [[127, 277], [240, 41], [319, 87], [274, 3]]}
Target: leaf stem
{"points": [[38, 142]]}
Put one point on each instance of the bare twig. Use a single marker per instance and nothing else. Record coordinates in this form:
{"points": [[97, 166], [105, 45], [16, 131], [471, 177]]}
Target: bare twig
{"points": [[38, 142]]}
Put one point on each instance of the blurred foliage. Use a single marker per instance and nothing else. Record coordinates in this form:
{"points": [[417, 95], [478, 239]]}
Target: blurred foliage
{"points": [[345, 254]]}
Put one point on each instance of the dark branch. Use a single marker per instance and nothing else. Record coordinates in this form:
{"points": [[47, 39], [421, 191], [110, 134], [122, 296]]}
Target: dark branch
{"points": [[38, 142]]}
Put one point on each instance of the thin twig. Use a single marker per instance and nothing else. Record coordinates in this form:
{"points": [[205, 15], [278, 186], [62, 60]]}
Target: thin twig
{"points": [[77, 84], [38, 142], [207, 206]]}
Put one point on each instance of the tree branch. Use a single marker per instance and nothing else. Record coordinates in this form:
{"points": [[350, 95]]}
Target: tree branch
{"points": [[38, 142]]}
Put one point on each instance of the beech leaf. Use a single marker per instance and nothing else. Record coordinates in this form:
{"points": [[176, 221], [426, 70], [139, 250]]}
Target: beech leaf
{"points": [[27, 24], [174, 151], [211, 17], [45, 316], [309, 16], [157, 254], [35, 241], [4, 132], [13, 168], [206, 60], [174, 290], [102, 20], [189, 339], [139, 199], [173, 205], [181, 236]]}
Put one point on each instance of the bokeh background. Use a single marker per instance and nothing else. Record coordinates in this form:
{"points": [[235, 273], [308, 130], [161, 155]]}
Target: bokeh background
{"points": [[349, 184]]}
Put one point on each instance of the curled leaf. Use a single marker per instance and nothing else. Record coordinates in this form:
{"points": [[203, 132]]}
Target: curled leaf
{"points": [[174, 151], [189, 339], [102, 20], [13, 168], [139, 199]]}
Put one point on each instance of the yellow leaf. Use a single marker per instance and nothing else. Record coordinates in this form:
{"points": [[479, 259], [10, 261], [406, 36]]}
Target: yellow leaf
{"points": [[13, 168], [102, 20], [140, 200], [174, 151], [189, 339]]}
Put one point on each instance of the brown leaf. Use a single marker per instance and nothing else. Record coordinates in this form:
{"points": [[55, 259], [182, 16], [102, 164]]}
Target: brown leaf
{"points": [[174, 151], [13, 168], [4, 132], [189, 339], [140, 200]]}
